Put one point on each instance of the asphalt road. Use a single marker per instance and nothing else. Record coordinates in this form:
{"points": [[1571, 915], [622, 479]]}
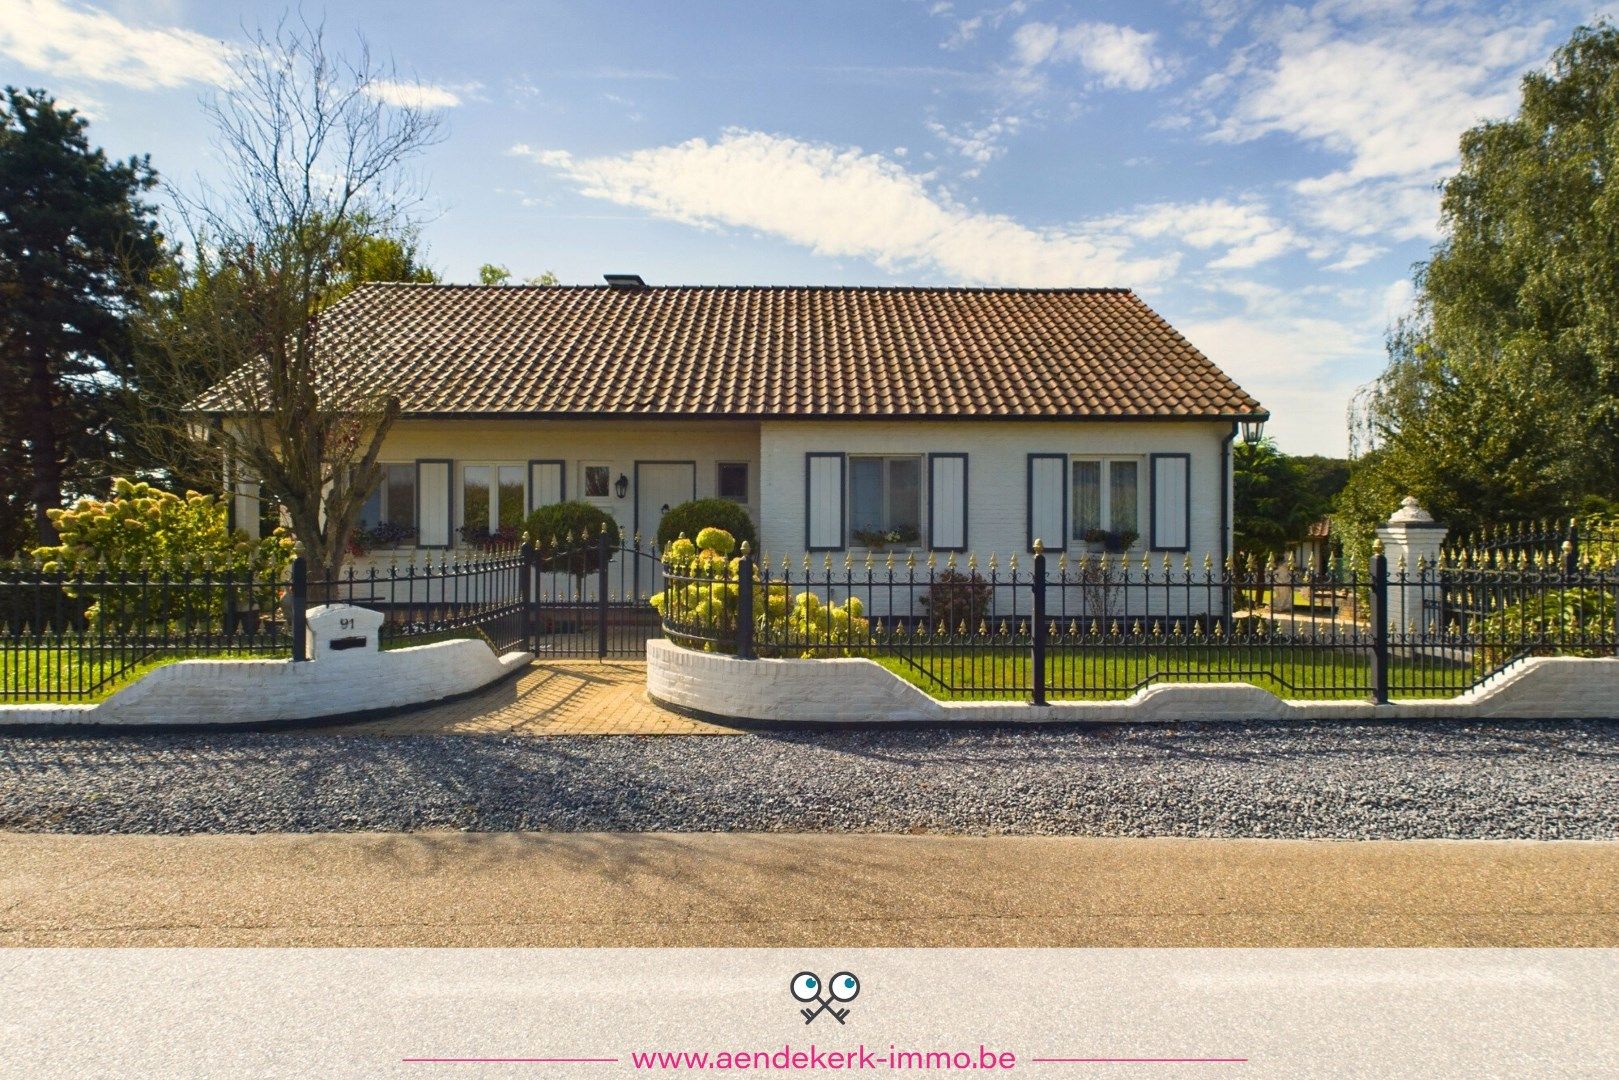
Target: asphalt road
{"points": [[694, 889]]}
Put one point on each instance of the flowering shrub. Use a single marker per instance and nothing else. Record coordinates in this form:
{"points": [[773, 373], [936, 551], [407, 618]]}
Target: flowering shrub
{"points": [[706, 596], [144, 531], [956, 600]]}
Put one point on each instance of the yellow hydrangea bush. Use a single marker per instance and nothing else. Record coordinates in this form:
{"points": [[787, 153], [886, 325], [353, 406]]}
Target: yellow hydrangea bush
{"points": [[706, 599], [144, 532]]}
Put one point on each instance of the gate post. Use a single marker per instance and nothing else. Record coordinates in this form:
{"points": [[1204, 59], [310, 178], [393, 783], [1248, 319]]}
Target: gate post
{"points": [[1038, 636], [525, 573], [744, 604], [601, 596], [298, 605], [1380, 624]]}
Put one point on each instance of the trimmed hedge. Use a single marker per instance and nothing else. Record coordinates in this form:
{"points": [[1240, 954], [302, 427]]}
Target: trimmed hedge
{"points": [[564, 536], [691, 518]]}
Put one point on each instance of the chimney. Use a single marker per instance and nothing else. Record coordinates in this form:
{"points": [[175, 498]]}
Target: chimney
{"points": [[625, 281]]}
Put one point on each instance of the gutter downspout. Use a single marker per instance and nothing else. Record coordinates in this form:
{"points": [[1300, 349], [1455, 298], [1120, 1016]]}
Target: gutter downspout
{"points": [[1225, 511]]}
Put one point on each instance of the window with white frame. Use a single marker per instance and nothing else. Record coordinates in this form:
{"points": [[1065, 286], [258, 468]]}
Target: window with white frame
{"points": [[1106, 498], [595, 480], [388, 517], [491, 503], [885, 500]]}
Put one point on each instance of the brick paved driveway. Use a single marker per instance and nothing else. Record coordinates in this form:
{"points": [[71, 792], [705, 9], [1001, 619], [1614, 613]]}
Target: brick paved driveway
{"points": [[549, 697]]}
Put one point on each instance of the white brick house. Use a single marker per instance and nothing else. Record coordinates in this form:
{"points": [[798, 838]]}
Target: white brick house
{"points": [[957, 419]]}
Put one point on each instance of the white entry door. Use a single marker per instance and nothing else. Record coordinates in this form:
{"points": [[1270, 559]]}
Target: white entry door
{"points": [[660, 486]]}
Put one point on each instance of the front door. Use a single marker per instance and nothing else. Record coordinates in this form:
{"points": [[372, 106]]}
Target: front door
{"points": [[660, 486]]}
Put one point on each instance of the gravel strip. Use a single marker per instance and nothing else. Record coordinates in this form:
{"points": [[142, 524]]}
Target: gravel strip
{"points": [[1363, 781]]}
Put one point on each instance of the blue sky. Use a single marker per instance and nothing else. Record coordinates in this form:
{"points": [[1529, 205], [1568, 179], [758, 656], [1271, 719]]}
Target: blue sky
{"points": [[1263, 174]]}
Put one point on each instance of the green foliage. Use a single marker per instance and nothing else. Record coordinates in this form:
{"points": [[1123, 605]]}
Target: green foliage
{"points": [[566, 536], [705, 593], [495, 274], [141, 530], [690, 518], [1501, 397], [78, 246], [1274, 504], [1558, 620]]}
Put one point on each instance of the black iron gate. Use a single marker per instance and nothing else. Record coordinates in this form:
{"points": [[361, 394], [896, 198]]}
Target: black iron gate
{"points": [[591, 599], [574, 598]]}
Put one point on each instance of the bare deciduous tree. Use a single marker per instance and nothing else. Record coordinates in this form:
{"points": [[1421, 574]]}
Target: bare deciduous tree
{"points": [[260, 366]]}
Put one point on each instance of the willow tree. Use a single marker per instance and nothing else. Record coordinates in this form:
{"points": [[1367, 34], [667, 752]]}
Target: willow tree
{"points": [[261, 369], [1501, 396]]}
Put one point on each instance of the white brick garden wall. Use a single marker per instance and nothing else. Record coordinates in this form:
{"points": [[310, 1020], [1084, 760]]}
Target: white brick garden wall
{"points": [[856, 690], [204, 693]]}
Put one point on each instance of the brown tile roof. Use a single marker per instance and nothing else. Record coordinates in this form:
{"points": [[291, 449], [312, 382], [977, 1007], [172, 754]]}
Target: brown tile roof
{"points": [[783, 352]]}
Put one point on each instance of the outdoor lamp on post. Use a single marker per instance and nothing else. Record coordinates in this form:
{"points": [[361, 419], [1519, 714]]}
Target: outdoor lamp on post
{"points": [[622, 485], [1252, 430]]}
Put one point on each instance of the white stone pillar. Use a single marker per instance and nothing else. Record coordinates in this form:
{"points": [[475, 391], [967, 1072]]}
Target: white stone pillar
{"points": [[1411, 539]]}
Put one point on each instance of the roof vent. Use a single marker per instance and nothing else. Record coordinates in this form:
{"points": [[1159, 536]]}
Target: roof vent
{"points": [[625, 281]]}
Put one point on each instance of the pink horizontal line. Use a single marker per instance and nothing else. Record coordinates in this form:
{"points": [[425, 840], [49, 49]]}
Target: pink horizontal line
{"points": [[505, 1061], [1142, 1061]]}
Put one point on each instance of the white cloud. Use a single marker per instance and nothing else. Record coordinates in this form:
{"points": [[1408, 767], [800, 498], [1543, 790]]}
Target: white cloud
{"points": [[72, 41], [1301, 367], [414, 94], [1247, 231], [1356, 256], [979, 144], [1388, 85], [842, 202], [1119, 57]]}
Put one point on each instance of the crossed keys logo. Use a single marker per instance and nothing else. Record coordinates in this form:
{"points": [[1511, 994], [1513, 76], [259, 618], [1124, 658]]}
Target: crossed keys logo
{"points": [[806, 987]]}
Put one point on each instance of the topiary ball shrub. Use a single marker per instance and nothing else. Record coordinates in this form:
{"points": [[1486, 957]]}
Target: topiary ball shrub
{"points": [[691, 518], [565, 534]]}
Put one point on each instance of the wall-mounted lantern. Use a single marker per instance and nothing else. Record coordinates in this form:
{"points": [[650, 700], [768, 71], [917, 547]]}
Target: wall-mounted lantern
{"points": [[622, 485], [1253, 430]]}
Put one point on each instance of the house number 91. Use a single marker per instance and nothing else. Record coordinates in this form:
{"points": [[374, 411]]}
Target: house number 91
{"points": [[346, 624]]}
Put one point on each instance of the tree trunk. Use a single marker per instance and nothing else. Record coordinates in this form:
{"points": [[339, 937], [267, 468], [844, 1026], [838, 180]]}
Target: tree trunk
{"points": [[43, 452]]}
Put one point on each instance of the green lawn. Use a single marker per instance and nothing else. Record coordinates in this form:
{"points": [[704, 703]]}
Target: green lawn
{"points": [[1091, 674], [86, 676]]}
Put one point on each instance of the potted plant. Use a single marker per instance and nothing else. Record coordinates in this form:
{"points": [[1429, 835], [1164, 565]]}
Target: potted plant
{"points": [[878, 539], [1112, 541]]}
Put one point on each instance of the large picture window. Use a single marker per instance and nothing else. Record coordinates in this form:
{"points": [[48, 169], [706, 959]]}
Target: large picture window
{"points": [[491, 503], [1106, 497], [389, 515], [885, 500]]}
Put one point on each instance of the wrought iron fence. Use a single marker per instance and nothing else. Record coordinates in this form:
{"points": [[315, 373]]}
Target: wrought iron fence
{"points": [[1105, 626], [73, 636], [67, 637]]}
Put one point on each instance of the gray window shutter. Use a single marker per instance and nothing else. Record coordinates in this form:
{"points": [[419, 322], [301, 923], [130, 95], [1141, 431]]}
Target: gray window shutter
{"points": [[546, 483], [824, 495], [433, 495], [947, 502], [1171, 502], [1048, 500]]}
